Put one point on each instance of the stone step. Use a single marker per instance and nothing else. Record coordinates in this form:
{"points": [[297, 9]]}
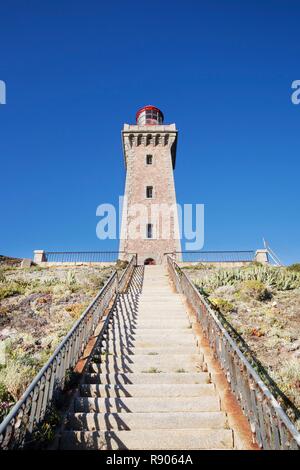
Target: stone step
{"points": [[148, 341], [161, 302], [128, 421], [159, 299], [157, 284], [139, 330], [130, 340], [146, 405], [148, 363], [143, 378], [153, 323], [146, 390], [116, 367], [118, 350], [175, 439], [150, 312], [157, 332], [157, 314], [166, 320], [150, 306], [148, 359], [158, 295], [123, 337]]}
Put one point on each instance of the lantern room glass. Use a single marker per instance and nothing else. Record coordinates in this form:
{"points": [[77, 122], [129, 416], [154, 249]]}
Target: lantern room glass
{"points": [[150, 117]]}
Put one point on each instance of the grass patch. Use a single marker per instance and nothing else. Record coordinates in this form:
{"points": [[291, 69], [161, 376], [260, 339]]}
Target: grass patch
{"points": [[294, 267]]}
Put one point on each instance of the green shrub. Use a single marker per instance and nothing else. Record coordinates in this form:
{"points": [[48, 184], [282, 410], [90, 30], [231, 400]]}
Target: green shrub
{"points": [[294, 267], [16, 377], [11, 289], [4, 395], [287, 378], [6, 401], [2, 276], [256, 290], [121, 264], [44, 432], [198, 266], [71, 282], [75, 310], [53, 281], [203, 291], [72, 379], [96, 281], [221, 304], [71, 279], [273, 277]]}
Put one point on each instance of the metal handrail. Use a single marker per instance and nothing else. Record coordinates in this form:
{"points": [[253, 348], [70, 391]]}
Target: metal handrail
{"points": [[30, 410], [269, 423], [126, 275]]}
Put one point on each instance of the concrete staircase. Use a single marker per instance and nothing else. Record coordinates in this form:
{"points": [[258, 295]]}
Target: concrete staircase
{"points": [[144, 387]]}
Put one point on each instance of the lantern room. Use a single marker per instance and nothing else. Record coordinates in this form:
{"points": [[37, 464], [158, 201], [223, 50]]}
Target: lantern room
{"points": [[149, 116]]}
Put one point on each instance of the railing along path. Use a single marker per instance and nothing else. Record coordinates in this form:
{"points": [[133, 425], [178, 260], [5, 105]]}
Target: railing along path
{"points": [[268, 421], [30, 410]]}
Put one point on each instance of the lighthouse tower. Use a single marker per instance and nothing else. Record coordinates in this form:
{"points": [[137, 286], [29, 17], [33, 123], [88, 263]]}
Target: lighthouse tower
{"points": [[149, 218]]}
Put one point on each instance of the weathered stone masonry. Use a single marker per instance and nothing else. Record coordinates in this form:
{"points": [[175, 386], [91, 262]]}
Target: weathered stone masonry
{"points": [[159, 141]]}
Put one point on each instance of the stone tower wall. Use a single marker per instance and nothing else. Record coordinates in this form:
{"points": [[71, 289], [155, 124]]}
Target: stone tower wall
{"points": [[160, 142]]}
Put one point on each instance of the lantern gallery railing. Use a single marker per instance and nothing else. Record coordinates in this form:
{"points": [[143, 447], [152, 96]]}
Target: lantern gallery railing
{"points": [[269, 423], [30, 410], [216, 256]]}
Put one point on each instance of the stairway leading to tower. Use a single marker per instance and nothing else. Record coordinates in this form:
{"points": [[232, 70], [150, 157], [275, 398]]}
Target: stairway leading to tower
{"points": [[144, 387]]}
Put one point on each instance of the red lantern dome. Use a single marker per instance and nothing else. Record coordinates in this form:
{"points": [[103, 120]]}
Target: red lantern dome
{"points": [[149, 116]]}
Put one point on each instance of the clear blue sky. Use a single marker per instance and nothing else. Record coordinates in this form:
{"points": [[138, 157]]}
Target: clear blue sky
{"points": [[77, 70]]}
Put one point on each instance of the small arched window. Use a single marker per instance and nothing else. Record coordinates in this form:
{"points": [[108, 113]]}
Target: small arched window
{"points": [[149, 192], [149, 159], [149, 231]]}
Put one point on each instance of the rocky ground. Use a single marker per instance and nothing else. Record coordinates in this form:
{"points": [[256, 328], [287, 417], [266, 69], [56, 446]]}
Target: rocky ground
{"points": [[37, 308], [263, 304]]}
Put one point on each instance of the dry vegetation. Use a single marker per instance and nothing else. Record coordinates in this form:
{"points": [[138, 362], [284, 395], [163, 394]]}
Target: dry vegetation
{"points": [[263, 305], [38, 306]]}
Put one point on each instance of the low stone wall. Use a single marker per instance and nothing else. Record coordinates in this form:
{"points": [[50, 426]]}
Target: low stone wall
{"points": [[79, 263]]}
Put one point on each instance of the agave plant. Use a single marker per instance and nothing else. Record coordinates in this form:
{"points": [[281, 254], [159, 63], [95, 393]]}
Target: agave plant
{"points": [[276, 278]]}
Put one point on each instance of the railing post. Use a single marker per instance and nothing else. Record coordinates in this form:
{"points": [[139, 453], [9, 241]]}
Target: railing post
{"points": [[261, 256], [39, 256]]}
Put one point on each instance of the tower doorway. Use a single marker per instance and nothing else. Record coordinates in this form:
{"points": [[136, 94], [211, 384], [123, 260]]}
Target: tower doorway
{"points": [[149, 261]]}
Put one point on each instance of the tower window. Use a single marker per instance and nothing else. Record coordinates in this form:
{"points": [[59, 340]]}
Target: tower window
{"points": [[149, 192], [149, 231], [149, 159]]}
